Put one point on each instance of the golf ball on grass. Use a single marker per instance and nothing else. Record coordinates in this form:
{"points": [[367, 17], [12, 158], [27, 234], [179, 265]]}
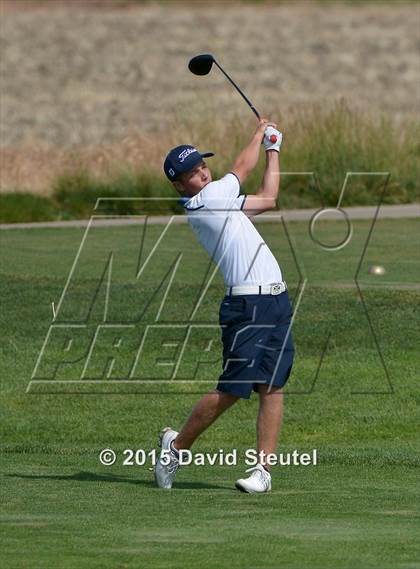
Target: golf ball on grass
{"points": [[376, 270]]}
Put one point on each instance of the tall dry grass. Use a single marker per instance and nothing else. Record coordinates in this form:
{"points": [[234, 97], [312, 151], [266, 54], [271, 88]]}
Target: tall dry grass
{"points": [[329, 142]]}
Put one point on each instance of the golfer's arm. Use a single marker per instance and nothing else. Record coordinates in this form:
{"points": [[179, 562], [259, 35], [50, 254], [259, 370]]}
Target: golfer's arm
{"points": [[271, 180], [266, 196], [248, 158]]}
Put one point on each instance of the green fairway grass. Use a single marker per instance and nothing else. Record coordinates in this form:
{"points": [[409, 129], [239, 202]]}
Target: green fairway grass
{"points": [[357, 508]]}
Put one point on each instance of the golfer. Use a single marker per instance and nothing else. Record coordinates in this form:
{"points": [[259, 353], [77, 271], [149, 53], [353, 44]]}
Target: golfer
{"points": [[255, 314]]}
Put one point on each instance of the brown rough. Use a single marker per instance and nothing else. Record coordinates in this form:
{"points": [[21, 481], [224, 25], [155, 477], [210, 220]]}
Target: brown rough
{"points": [[73, 76]]}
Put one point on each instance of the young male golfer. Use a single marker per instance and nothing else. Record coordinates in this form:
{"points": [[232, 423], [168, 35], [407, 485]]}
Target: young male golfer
{"points": [[255, 313]]}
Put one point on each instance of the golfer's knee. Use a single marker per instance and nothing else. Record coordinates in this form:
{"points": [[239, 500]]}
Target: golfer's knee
{"points": [[226, 399]]}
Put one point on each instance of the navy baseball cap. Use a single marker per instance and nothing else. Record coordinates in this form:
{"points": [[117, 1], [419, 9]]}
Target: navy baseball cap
{"points": [[182, 159]]}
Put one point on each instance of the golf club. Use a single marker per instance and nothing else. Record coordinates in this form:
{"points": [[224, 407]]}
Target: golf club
{"points": [[201, 65]]}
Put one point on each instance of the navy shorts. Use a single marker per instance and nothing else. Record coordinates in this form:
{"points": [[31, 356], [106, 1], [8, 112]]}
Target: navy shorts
{"points": [[257, 342]]}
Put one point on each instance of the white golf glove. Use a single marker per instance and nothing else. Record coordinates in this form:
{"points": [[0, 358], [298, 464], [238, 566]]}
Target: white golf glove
{"points": [[272, 139]]}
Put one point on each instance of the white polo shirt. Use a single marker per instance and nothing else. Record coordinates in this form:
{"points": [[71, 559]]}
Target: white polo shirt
{"points": [[230, 238]]}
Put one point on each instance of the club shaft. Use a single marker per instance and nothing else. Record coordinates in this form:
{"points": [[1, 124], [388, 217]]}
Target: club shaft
{"points": [[253, 109]]}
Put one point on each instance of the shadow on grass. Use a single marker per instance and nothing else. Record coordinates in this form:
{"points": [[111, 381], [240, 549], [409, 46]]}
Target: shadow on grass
{"points": [[93, 477]]}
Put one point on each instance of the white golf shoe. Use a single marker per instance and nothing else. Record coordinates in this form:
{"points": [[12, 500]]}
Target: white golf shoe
{"points": [[167, 464], [259, 481]]}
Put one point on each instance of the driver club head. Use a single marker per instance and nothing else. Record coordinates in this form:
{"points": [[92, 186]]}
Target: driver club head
{"points": [[201, 64]]}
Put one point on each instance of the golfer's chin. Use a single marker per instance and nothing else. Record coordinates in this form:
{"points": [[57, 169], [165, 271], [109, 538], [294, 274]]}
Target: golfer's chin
{"points": [[199, 187], [207, 181]]}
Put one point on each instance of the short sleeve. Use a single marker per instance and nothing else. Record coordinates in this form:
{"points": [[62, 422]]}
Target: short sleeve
{"points": [[223, 194]]}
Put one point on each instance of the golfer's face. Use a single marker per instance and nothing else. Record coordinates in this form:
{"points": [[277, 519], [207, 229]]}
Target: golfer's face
{"points": [[195, 180]]}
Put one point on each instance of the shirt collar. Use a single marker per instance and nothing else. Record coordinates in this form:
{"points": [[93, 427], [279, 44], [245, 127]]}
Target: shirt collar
{"points": [[183, 201]]}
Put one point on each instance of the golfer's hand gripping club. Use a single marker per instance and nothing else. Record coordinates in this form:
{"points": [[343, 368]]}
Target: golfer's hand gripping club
{"points": [[272, 139]]}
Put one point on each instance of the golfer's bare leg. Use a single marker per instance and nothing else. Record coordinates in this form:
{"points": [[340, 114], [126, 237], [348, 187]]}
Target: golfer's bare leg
{"points": [[269, 419], [202, 416]]}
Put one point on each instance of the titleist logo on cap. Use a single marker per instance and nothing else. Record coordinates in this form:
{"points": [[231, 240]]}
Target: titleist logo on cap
{"points": [[186, 153]]}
